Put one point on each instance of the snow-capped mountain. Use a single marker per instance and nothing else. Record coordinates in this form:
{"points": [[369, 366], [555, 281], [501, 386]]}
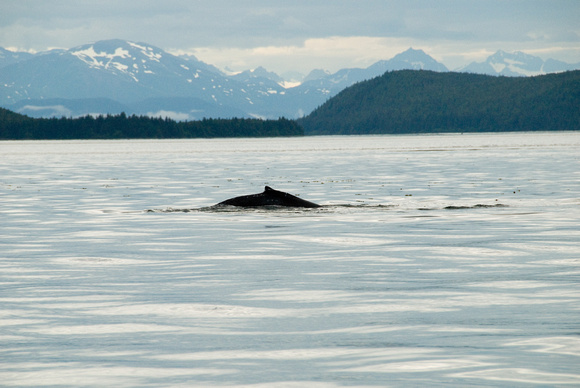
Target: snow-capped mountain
{"points": [[517, 64], [409, 60], [115, 76], [258, 74], [266, 83], [126, 72], [200, 64], [319, 86]]}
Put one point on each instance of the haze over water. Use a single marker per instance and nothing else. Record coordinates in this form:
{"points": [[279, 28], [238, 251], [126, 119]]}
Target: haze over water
{"points": [[443, 260]]}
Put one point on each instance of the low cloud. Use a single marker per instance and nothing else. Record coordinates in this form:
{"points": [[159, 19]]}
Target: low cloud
{"points": [[177, 116], [44, 110]]}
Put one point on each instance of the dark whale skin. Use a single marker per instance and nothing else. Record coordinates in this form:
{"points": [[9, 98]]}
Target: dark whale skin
{"points": [[269, 197]]}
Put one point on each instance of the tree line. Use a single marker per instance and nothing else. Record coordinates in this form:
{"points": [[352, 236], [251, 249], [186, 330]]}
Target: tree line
{"points": [[410, 101], [14, 126]]}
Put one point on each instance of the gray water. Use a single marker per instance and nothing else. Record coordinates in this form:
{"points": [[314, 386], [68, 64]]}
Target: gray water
{"points": [[444, 260]]}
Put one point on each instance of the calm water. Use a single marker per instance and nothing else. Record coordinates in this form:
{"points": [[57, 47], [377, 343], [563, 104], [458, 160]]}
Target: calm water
{"points": [[449, 260]]}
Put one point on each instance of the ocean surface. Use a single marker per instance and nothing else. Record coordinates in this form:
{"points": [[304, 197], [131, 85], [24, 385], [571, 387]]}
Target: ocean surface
{"points": [[441, 260]]}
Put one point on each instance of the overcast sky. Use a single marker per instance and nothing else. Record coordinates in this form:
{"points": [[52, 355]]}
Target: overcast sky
{"points": [[284, 35]]}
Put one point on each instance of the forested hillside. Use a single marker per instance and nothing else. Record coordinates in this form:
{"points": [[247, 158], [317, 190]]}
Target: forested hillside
{"points": [[424, 101], [14, 126]]}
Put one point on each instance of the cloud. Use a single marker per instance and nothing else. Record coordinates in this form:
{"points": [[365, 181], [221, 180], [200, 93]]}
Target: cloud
{"points": [[334, 53], [54, 110], [298, 34], [330, 53]]}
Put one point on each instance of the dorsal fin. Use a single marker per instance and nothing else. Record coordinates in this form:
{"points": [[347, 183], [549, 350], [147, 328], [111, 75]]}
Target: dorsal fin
{"points": [[269, 197]]}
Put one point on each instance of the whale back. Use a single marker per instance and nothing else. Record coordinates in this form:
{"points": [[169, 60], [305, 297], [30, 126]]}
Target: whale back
{"points": [[269, 197]]}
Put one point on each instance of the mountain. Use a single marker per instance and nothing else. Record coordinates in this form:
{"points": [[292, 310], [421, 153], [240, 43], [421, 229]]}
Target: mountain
{"points": [[257, 75], [411, 101], [320, 86], [137, 78], [126, 72], [292, 78], [408, 60], [517, 64], [202, 65], [269, 88], [316, 74], [106, 76]]}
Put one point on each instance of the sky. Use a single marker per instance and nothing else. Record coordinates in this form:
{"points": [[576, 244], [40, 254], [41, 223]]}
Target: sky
{"points": [[297, 35]]}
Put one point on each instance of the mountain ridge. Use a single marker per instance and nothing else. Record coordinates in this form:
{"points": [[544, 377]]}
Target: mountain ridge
{"points": [[517, 64], [408, 101], [135, 74]]}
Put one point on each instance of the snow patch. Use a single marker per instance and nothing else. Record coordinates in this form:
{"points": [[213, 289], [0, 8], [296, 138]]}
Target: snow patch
{"points": [[147, 51], [512, 62], [497, 67], [120, 66], [153, 56], [289, 85], [514, 66], [143, 48], [96, 59]]}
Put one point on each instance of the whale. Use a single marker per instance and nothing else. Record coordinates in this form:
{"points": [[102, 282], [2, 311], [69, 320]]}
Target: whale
{"points": [[269, 197]]}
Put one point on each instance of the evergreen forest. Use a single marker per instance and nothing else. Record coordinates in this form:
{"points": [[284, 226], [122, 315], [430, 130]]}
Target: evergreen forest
{"points": [[411, 101], [398, 102], [14, 126]]}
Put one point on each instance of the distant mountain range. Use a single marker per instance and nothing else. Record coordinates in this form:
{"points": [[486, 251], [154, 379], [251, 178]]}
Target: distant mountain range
{"points": [[114, 76], [517, 64]]}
